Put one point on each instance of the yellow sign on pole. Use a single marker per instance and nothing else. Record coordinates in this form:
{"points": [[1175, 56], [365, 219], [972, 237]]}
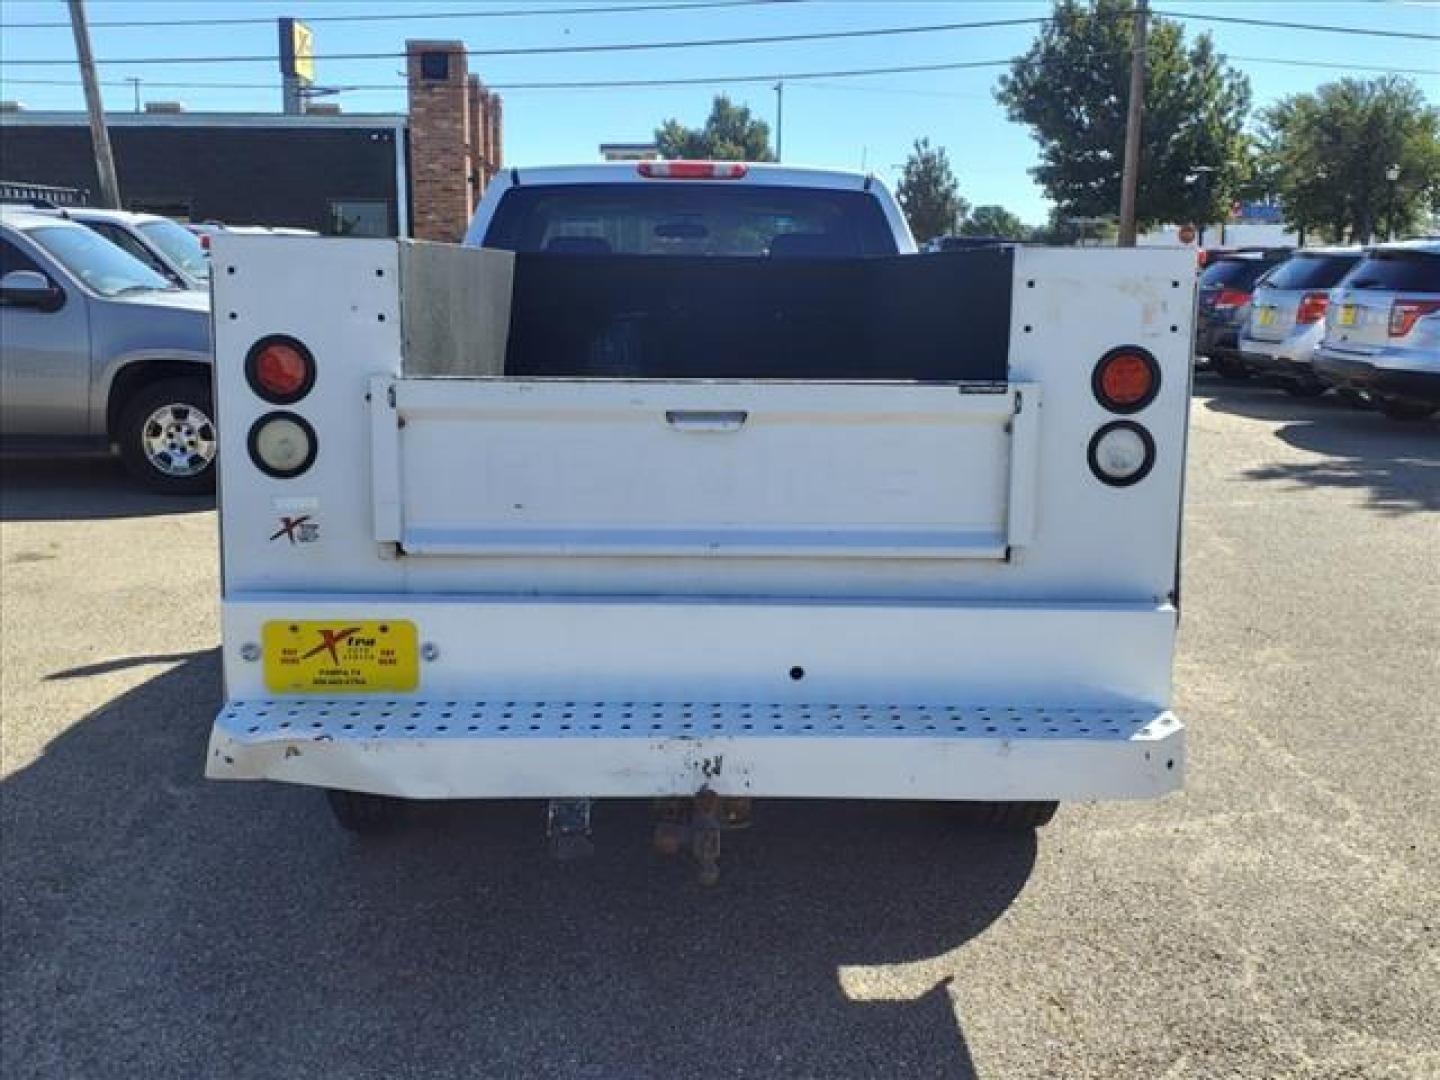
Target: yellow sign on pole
{"points": [[303, 44], [297, 51]]}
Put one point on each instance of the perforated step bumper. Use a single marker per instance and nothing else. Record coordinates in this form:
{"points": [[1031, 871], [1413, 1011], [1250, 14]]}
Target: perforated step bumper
{"points": [[460, 749]]}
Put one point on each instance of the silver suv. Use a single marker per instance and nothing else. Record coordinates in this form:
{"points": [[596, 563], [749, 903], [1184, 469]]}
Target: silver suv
{"points": [[1287, 317], [97, 350], [1382, 329], [165, 246]]}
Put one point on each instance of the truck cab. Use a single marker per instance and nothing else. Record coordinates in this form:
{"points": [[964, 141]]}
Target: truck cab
{"points": [[690, 481]]}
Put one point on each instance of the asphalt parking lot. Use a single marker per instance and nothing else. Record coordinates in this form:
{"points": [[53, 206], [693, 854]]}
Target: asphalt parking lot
{"points": [[1278, 919]]}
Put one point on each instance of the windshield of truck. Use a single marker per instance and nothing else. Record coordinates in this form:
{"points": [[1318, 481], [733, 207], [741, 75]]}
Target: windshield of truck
{"points": [[98, 263], [1398, 271], [1311, 272], [689, 219], [1233, 273], [180, 245]]}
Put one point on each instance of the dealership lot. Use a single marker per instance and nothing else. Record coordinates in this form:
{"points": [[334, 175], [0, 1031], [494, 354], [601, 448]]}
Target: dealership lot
{"points": [[1277, 919]]}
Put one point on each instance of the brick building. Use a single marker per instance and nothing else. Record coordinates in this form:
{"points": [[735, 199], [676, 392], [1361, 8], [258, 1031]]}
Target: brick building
{"points": [[456, 135], [417, 173]]}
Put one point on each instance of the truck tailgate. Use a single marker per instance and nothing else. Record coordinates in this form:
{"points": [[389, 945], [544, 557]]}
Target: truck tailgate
{"points": [[485, 467]]}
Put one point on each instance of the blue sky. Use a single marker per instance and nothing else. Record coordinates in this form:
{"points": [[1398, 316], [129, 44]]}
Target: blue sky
{"points": [[834, 121]]}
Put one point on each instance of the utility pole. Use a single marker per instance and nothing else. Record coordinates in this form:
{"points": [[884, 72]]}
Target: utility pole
{"points": [[1130, 178], [99, 136], [780, 121], [134, 85]]}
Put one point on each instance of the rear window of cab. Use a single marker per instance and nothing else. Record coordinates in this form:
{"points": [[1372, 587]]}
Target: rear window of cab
{"points": [[690, 219]]}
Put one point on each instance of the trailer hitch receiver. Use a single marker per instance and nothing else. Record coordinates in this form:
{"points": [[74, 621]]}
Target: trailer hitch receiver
{"points": [[694, 825]]}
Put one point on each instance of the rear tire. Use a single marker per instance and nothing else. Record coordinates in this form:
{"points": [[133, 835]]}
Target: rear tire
{"points": [[1007, 815], [365, 814], [167, 437], [1301, 388], [1406, 409], [1228, 367], [1356, 399]]}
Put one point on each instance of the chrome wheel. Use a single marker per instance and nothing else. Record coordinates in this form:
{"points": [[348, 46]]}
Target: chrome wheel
{"points": [[178, 440]]}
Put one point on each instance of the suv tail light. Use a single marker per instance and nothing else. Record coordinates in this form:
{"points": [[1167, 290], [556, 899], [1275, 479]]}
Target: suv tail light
{"points": [[693, 170], [1312, 307], [1232, 298], [1404, 314], [1126, 379]]}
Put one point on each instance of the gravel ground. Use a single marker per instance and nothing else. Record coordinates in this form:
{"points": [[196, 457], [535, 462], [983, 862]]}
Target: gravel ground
{"points": [[1278, 919]]}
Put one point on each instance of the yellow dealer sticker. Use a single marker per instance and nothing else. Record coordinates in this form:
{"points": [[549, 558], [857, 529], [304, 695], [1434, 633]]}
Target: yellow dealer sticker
{"points": [[340, 657]]}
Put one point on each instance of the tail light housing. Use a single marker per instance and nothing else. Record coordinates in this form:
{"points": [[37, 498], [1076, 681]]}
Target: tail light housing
{"points": [[692, 170], [1404, 314], [282, 444], [1232, 298], [280, 369], [1312, 307], [1126, 379], [1121, 453]]}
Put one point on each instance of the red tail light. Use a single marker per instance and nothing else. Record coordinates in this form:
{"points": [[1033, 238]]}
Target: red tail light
{"points": [[693, 170], [1404, 314], [280, 369], [1232, 298], [1312, 307], [204, 241], [1126, 379]]}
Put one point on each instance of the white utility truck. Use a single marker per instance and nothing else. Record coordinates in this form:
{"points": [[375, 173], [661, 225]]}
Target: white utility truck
{"points": [[693, 482]]}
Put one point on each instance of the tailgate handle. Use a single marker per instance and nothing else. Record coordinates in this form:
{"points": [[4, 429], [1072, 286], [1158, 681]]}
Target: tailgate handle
{"points": [[706, 420]]}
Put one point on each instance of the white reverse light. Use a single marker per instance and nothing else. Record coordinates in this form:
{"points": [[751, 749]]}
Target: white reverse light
{"points": [[1122, 453], [282, 444]]}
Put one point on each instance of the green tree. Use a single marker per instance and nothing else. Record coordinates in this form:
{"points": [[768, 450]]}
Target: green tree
{"points": [[929, 193], [1072, 89], [1328, 158], [1064, 231], [994, 221], [730, 133]]}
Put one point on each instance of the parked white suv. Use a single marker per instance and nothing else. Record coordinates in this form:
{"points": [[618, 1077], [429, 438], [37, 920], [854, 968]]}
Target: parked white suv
{"points": [[1382, 330], [165, 246]]}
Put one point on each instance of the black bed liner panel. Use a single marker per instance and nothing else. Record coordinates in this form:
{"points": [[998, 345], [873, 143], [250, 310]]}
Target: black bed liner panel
{"points": [[942, 317]]}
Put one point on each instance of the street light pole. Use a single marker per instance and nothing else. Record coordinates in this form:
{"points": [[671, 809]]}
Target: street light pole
{"points": [[780, 121], [1392, 173]]}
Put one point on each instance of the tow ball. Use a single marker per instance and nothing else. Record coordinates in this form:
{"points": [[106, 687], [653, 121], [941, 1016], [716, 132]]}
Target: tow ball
{"points": [[695, 825]]}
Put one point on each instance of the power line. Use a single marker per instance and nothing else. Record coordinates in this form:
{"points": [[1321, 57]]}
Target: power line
{"points": [[1321, 28], [557, 50], [831, 35], [409, 16], [698, 80]]}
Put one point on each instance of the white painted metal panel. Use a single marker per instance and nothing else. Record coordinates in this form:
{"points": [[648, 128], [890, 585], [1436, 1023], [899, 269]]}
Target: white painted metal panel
{"points": [[730, 650], [514, 468], [464, 748]]}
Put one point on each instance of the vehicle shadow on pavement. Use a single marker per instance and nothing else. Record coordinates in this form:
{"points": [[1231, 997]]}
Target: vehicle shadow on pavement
{"points": [[160, 925], [81, 488], [1396, 464]]}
